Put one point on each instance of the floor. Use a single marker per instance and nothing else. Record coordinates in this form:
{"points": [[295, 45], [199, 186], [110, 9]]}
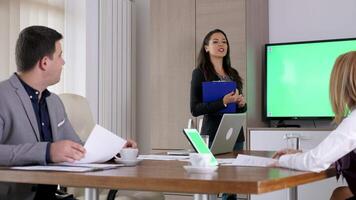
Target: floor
{"points": [[167, 196]]}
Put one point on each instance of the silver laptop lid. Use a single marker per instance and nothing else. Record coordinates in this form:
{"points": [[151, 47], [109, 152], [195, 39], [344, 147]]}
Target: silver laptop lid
{"points": [[227, 133]]}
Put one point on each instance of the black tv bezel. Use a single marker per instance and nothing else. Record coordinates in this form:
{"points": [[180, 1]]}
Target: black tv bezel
{"points": [[267, 118]]}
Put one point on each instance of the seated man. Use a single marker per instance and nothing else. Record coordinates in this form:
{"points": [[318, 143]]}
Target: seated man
{"points": [[34, 128]]}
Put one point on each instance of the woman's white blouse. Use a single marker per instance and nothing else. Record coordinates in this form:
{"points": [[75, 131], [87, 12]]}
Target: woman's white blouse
{"points": [[339, 142]]}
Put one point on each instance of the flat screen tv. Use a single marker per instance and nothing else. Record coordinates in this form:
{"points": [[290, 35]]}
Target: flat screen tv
{"points": [[297, 77]]}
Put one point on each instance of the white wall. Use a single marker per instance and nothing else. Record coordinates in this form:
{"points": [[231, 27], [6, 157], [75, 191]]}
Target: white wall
{"points": [[301, 20]]}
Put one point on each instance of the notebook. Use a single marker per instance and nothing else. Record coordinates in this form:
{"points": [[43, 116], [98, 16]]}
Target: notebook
{"points": [[215, 90]]}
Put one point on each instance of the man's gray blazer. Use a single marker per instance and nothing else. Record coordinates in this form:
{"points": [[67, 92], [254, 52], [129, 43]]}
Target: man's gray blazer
{"points": [[19, 135]]}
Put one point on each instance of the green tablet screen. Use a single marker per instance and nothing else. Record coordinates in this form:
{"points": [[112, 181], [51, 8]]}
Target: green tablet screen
{"points": [[198, 143]]}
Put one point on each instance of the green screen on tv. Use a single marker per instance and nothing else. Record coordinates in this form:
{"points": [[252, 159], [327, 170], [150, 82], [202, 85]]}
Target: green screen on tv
{"points": [[297, 77]]}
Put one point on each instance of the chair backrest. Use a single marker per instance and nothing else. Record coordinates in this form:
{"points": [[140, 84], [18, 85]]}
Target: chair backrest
{"points": [[79, 114], [198, 120]]}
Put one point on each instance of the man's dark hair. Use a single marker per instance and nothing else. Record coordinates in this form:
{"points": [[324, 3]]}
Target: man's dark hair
{"points": [[33, 44]]}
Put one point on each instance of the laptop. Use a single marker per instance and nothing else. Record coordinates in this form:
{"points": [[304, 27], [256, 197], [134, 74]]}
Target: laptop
{"points": [[227, 133]]}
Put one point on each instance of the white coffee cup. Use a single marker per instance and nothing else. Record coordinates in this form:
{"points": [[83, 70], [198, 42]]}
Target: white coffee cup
{"points": [[199, 160], [129, 154]]}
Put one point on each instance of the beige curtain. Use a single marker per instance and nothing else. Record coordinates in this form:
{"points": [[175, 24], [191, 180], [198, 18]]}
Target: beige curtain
{"points": [[18, 14], [117, 72], [61, 15]]}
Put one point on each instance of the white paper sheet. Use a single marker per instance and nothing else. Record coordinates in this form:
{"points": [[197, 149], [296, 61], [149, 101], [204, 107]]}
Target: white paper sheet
{"points": [[225, 161], [101, 146], [54, 168], [68, 168], [255, 161], [93, 165], [162, 157], [184, 152]]}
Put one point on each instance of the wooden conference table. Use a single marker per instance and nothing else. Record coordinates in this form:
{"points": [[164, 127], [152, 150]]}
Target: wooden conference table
{"points": [[170, 176]]}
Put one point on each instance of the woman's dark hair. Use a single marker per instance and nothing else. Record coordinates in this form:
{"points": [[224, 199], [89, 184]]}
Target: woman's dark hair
{"points": [[205, 65], [33, 44]]}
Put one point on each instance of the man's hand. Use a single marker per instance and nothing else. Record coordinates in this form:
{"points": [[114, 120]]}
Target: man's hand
{"points": [[284, 152], [130, 144], [66, 151]]}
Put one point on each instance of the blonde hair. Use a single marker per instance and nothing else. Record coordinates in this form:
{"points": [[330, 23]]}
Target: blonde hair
{"points": [[343, 85]]}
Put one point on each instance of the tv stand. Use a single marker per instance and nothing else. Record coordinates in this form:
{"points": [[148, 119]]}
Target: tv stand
{"points": [[281, 124]]}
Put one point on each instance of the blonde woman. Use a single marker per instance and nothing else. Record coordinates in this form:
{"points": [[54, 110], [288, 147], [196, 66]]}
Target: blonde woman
{"points": [[340, 145]]}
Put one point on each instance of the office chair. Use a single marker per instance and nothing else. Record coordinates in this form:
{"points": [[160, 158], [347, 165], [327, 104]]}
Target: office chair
{"points": [[191, 123], [79, 114]]}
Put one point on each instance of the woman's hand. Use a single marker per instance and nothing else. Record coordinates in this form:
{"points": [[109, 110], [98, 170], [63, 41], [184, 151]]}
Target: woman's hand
{"points": [[240, 101], [234, 97], [274, 164], [230, 98], [282, 152]]}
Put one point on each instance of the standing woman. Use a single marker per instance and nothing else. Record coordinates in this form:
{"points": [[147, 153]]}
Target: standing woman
{"points": [[214, 65]]}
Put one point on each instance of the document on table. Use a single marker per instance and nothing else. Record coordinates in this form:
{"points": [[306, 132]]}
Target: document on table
{"points": [[68, 167], [246, 160], [225, 161], [162, 157], [101, 146]]}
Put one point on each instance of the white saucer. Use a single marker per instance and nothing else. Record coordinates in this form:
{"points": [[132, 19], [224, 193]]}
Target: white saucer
{"points": [[127, 162], [200, 170]]}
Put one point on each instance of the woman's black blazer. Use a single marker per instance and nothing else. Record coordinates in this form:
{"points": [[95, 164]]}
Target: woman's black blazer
{"points": [[210, 110]]}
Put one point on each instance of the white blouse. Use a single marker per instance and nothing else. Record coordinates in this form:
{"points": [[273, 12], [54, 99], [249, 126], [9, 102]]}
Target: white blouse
{"points": [[339, 142]]}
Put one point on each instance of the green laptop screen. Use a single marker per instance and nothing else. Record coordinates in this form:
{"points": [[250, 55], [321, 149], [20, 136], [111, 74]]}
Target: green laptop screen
{"points": [[198, 143]]}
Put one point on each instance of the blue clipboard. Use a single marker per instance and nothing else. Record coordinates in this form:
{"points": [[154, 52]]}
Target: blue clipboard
{"points": [[215, 90]]}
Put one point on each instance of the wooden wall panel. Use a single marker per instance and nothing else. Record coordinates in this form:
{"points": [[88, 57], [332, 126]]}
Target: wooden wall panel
{"points": [[229, 16], [256, 37], [172, 61], [177, 28]]}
